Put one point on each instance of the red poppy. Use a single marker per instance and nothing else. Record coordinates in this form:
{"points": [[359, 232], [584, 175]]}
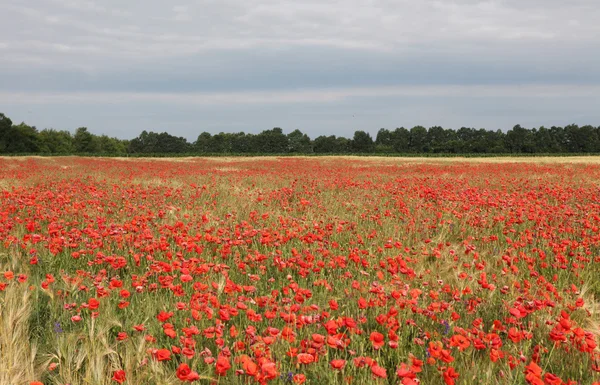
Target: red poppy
{"points": [[162, 355], [119, 376], [378, 371], [450, 375], [223, 365], [338, 364], [299, 379], [377, 339], [459, 341]]}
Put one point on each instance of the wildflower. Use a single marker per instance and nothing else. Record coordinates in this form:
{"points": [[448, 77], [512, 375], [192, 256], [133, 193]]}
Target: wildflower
{"points": [[223, 365], [450, 375], [378, 371], [299, 379], [57, 328], [377, 340], [119, 376], [338, 364]]}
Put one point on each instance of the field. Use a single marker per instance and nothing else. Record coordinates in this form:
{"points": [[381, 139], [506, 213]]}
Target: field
{"points": [[299, 270]]}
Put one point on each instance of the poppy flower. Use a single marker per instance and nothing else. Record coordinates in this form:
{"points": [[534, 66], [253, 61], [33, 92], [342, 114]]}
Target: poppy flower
{"points": [[304, 358], [435, 349], [223, 365], [299, 379], [119, 376], [162, 355], [377, 339], [185, 373], [378, 371], [459, 341], [268, 370], [450, 375], [338, 364]]}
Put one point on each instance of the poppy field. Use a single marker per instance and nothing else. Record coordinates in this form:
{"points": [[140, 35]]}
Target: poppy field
{"points": [[299, 271]]}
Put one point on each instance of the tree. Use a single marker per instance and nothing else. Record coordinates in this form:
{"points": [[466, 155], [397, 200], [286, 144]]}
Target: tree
{"points": [[581, 139], [384, 137], [362, 142], [383, 141], [418, 139], [495, 141], [113, 146], [271, 141], [438, 138], [299, 142], [22, 139], [145, 143], [17, 139], [5, 132], [520, 140], [52, 141], [220, 143], [84, 141], [325, 144], [342, 145], [203, 143], [400, 140], [242, 143], [559, 139]]}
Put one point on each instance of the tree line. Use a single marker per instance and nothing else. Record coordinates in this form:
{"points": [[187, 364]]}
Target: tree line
{"points": [[24, 139]]}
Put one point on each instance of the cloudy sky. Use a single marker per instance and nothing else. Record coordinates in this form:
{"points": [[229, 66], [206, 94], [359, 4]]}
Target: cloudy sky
{"points": [[323, 66]]}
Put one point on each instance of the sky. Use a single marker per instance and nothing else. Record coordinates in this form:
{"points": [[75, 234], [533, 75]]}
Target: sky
{"points": [[326, 67]]}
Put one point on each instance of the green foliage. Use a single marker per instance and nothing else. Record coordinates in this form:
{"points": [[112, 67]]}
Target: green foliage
{"points": [[299, 142], [85, 142], [5, 132], [271, 141], [362, 142], [418, 140], [17, 138], [56, 142]]}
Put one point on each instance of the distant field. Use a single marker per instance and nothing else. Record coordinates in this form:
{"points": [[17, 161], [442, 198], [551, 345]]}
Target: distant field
{"points": [[292, 270], [591, 159]]}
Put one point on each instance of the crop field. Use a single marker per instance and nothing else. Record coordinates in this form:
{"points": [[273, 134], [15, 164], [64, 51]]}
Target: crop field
{"points": [[334, 270]]}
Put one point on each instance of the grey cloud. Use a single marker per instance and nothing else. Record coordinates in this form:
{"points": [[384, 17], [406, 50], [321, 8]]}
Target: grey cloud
{"points": [[312, 47]]}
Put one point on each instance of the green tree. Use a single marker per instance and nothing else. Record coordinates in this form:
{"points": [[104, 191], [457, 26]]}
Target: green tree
{"points": [[220, 143], [242, 143], [495, 142], [271, 141], [362, 142], [84, 141], [5, 132], [384, 137], [203, 143], [558, 141], [108, 145], [439, 138], [542, 140], [22, 139], [299, 142], [581, 139], [325, 144], [400, 140], [342, 145], [383, 141], [418, 140], [52, 141], [520, 140]]}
